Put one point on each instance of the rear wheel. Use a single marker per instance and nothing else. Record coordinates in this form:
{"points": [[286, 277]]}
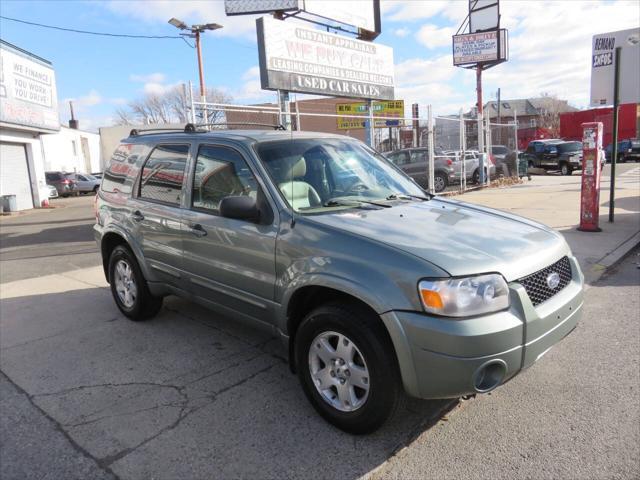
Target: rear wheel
{"points": [[439, 182], [347, 367], [129, 287]]}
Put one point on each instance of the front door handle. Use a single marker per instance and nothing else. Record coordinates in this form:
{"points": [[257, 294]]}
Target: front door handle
{"points": [[137, 216], [198, 230]]}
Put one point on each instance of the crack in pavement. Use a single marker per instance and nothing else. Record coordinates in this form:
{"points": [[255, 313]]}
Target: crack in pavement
{"points": [[59, 427]]}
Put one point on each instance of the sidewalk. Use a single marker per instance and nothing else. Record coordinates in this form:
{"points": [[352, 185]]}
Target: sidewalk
{"points": [[555, 201]]}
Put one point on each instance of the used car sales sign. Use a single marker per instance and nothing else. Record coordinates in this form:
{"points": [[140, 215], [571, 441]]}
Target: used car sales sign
{"points": [[298, 59]]}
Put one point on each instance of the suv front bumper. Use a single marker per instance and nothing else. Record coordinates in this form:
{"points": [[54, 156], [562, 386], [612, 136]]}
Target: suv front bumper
{"points": [[448, 358]]}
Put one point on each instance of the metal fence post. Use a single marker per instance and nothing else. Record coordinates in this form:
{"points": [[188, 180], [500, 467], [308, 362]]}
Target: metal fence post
{"points": [[192, 106], [431, 152], [369, 124], [463, 155]]}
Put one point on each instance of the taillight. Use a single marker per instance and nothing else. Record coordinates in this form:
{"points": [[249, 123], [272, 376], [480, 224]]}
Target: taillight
{"points": [[66, 181], [449, 161]]}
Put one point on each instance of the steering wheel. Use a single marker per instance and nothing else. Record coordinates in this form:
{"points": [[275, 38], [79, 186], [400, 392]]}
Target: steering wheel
{"points": [[356, 186]]}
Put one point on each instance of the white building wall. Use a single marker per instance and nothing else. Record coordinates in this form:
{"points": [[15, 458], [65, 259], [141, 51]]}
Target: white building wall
{"points": [[64, 151], [35, 161]]}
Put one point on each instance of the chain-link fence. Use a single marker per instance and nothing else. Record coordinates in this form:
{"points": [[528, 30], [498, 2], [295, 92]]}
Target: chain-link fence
{"points": [[441, 153]]}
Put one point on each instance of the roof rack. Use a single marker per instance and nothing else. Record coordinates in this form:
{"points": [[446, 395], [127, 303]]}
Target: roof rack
{"points": [[191, 128]]}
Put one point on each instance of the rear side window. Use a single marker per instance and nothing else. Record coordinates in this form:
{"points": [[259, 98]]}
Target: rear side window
{"points": [[419, 156], [121, 171], [220, 172], [400, 158], [163, 173], [52, 177]]}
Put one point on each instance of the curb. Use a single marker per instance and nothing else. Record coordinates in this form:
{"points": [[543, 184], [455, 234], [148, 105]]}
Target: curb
{"points": [[614, 256]]}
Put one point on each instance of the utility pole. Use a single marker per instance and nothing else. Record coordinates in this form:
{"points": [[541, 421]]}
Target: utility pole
{"points": [[480, 122], [195, 31]]}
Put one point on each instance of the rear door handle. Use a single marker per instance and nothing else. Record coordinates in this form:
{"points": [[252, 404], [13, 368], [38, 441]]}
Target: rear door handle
{"points": [[137, 216], [198, 230]]}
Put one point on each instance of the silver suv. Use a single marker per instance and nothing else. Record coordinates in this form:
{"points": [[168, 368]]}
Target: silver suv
{"points": [[374, 287]]}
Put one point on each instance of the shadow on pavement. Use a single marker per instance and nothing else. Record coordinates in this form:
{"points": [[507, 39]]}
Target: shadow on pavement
{"points": [[188, 394], [71, 233]]}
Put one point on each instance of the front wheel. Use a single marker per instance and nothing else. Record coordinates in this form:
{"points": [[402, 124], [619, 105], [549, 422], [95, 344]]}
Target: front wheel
{"points": [[566, 169], [129, 287], [347, 367]]}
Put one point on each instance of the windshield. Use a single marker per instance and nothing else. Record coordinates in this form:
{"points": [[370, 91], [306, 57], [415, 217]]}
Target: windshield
{"points": [[569, 147], [316, 175]]}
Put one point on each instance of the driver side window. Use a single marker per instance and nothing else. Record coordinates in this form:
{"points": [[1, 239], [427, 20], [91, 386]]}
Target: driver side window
{"points": [[220, 172]]}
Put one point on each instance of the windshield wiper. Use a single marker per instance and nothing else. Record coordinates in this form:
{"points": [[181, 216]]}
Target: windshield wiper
{"points": [[406, 196], [356, 203]]}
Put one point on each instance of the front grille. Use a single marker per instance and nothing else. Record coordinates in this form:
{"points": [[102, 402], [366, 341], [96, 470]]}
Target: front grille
{"points": [[536, 284]]}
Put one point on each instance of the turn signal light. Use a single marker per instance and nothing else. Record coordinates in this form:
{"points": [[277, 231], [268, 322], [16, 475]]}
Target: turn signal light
{"points": [[432, 299]]}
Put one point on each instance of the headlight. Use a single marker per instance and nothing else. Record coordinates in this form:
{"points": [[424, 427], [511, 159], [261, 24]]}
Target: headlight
{"points": [[463, 297]]}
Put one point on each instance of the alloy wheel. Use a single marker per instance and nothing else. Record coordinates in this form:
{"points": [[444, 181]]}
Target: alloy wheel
{"points": [[338, 371], [125, 284]]}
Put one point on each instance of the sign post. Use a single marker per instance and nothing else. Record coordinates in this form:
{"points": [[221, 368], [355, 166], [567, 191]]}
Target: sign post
{"points": [[590, 190]]}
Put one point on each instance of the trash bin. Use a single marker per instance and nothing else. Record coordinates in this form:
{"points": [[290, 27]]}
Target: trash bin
{"points": [[9, 203]]}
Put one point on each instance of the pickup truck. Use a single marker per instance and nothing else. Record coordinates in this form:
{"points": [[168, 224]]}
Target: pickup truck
{"points": [[555, 155]]}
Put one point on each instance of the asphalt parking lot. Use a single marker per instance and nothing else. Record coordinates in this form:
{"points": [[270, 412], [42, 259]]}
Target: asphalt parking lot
{"points": [[88, 394]]}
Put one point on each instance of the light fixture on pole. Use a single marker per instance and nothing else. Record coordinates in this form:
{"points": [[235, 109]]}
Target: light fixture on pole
{"points": [[195, 31]]}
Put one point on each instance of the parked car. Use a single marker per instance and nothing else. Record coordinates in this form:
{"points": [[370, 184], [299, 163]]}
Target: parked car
{"points": [[627, 150], [52, 191], [414, 162], [374, 287], [64, 185], [555, 155], [471, 166], [86, 183]]}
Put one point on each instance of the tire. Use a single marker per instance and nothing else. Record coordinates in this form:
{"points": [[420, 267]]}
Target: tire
{"points": [[476, 176], [439, 182], [136, 303], [565, 169], [95, 189], [531, 165], [356, 410]]}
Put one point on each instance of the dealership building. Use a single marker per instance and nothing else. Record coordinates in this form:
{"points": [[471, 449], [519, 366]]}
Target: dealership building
{"points": [[31, 138]]}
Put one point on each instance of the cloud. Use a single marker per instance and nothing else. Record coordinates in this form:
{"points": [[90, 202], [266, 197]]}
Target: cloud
{"points": [[432, 36], [419, 70], [401, 32], [151, 77], [251, 89], [189, 11]]}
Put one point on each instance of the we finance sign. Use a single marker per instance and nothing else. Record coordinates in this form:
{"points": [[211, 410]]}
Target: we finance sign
{"points": [[298, 59]]}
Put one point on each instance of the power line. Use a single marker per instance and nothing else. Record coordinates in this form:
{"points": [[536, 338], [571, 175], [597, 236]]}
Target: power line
{"points": [[103, 34]]}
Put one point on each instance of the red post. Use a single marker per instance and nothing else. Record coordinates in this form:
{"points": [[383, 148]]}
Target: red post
{"points": [[591, 166]]}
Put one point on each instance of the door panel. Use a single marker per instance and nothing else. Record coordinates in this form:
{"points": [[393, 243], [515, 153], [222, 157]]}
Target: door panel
{"points": [[230, 262], [156, 214]]}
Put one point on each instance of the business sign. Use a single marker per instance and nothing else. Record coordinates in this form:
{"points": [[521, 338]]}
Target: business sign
{"points": [[362, 14], [483, 47], [27, 90], [247, 7], [299, 59], [603, 67], [391, 108], [483, 15]]}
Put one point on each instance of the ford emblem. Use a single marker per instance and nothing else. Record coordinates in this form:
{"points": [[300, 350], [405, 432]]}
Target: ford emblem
{"points": [[553, 280]]}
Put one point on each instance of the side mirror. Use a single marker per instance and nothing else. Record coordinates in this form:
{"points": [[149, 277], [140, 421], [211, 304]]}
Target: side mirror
{"points": [[240, 207]]}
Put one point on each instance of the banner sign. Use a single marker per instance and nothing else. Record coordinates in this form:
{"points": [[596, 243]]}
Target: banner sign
{"points": [[603, 68], [480, 47], [28, 94], [299, 59], [392, 108]]}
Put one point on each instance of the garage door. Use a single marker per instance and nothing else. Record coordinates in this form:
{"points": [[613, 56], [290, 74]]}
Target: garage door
{"points": [[14, 174]]}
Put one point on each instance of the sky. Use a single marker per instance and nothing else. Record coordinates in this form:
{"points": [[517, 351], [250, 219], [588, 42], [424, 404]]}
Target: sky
{"points": [[549, 50]]}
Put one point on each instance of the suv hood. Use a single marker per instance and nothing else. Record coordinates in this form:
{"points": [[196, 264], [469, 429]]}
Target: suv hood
{"points": [[460, 238]]}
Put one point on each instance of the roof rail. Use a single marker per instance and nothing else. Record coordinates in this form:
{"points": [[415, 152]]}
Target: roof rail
{"points": [[137, 131], [193, 128]]}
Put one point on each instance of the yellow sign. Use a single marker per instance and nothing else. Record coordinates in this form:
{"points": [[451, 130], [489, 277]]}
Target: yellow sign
{"points": [[387, 108]]}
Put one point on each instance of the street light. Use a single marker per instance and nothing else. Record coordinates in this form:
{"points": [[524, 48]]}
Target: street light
{"points": [[195, 33]]}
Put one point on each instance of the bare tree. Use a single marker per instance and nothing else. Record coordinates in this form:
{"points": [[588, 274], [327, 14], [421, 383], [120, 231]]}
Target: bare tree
{"points": [[169, 107], [549, 108]]}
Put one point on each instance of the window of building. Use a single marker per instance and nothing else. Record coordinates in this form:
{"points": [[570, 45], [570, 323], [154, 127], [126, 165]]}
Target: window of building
{"points": [[220, 172], [163, 173], [532, 123]]}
